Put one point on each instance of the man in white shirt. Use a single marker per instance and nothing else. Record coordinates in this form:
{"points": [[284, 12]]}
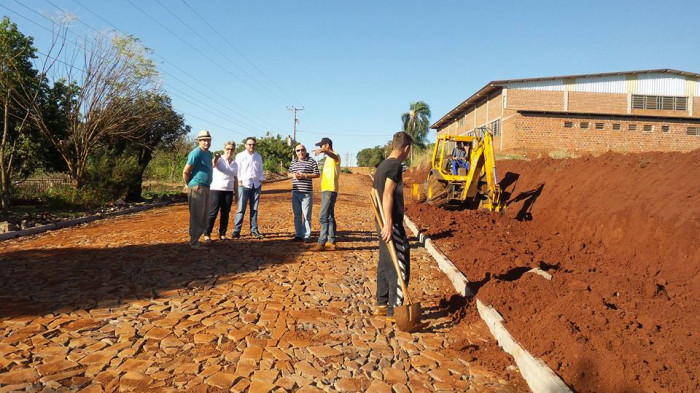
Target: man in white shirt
{"points": [[250, 177]]}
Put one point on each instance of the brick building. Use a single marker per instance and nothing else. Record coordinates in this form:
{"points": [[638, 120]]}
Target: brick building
{"points": [[648, 110]]}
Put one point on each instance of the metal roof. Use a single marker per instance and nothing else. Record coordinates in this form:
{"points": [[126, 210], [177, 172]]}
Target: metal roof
{"points": [[499, 84]]}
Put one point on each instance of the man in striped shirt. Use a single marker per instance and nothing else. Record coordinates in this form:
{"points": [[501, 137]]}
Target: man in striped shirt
{"points": [[302, 169]]}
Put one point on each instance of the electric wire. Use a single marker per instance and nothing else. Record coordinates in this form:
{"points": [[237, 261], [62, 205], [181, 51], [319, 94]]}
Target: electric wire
{"points": [[74, 67], [174, 34], [194, 11], [209, 88]]}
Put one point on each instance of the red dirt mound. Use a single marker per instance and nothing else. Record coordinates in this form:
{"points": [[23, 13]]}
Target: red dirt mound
{"points": [[619, 234]]}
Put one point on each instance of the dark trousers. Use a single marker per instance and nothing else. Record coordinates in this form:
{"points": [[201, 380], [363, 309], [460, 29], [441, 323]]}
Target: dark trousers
{"points": [[220, 201], [388, 288]]}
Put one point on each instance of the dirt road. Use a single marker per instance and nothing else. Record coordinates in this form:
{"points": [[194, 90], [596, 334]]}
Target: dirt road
{"points": [[124, 304]]}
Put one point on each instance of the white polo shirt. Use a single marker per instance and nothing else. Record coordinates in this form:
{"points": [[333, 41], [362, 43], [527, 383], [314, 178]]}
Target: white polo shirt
{"points": [[250, 169]]}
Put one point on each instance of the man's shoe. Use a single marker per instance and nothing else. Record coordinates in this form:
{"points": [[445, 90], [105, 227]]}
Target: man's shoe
{"points": [[379, 310], [297, 239], [257, 235], [390, 318], [195, 246], [207, 239], [223, 237], [317, 247], [330, 246], [307, 240], [236, 235]]}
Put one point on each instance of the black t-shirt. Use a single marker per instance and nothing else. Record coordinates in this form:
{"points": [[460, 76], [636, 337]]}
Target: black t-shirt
{"points": [[391, 168]]}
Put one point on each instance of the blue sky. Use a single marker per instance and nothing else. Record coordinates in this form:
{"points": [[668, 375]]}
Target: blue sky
{"points": [[234, 67]]}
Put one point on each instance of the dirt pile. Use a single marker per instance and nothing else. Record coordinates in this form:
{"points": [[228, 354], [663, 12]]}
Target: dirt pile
{"points": [[619, 234]]}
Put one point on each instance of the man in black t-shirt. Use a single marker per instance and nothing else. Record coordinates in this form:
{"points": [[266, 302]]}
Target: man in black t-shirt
{"points": [[388, 181]]}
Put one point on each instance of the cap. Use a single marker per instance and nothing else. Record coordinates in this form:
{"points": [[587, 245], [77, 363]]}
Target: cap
{"points": [[325, 140], [204, 134]]}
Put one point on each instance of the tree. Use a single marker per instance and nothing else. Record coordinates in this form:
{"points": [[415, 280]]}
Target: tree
{"points": [[102, 98], [16, 69], [275, 152], [370, 157], [416, 122]]}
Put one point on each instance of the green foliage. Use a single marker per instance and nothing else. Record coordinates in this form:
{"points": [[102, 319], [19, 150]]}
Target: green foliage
{"points": [[112, 173], [275, 153], [371, 156], [345, 170], [71, 198]]}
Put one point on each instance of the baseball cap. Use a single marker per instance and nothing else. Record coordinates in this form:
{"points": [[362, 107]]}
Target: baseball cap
{"points": [[325, 140]]}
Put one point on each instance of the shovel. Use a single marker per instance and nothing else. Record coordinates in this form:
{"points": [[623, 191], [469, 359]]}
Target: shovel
{"points": [[407, 315]]}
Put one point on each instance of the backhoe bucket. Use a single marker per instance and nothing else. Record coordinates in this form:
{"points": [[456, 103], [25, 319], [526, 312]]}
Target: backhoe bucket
{"points": [[408, 317]]}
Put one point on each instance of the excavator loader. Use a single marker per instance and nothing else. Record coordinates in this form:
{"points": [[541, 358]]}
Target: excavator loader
{"points": [[477, 187]]}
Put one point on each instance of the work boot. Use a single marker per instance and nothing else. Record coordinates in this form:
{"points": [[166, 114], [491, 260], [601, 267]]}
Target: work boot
{"points": [[390, 318], [379, 310], [330, 246], [317, 247]]}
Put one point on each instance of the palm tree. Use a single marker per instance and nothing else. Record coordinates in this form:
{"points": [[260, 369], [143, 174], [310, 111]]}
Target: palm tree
{"points": [[416, 123]]}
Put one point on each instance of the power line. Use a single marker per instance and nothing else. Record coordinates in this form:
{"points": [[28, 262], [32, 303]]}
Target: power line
{"points": [[167, 9], [74, 67], [223, 38], [175, 66], [174, 34]]}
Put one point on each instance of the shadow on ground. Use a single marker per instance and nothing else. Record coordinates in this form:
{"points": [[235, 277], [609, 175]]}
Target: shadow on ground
{"points": [[41, 281]]}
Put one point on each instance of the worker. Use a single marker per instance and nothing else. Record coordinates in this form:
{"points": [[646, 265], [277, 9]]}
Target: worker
{"points": [[459, 158], [388, 181]]}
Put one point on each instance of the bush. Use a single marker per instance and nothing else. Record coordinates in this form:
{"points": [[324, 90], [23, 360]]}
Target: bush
{"points": [[68, 197], [112, 174]]}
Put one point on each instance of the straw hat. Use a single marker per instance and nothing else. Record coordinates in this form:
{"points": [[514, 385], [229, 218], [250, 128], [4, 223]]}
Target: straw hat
{"points": [[204, 134]]}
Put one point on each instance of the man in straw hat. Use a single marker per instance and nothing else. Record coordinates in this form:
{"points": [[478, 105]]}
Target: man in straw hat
{"points": [[197, 176]]}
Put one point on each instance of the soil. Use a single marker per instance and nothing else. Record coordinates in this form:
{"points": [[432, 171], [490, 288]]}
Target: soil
{"points": [[619, 234]]}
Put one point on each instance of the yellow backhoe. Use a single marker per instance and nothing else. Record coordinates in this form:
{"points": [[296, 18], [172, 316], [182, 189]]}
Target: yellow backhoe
{"points": [[475, 186]]}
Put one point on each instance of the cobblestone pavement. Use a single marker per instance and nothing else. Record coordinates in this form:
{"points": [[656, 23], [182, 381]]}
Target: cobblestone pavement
{"points": [[124, 304]]}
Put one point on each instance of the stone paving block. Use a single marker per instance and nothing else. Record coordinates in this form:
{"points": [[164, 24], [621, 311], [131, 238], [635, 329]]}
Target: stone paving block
{"points": [[55, 367], [323, 351], [18, 376], [241, 385], [258, 386], [221, 380]]}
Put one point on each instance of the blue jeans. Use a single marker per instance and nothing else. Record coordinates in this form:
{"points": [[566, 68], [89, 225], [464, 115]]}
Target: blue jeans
{"points": [[301, 206], [459, 164], [247, 196], [327, 217]]}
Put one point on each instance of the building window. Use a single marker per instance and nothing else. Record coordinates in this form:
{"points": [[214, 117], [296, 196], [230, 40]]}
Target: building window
{"points": [[695, 131], [664, 128], [599, 126], [648, 128], [633, 127], [496, 127], [568, 124], [660, 102], [616, 126], [584, 124]]}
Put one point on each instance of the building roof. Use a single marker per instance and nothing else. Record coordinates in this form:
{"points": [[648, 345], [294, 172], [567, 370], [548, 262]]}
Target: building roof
{"points": [[499, 84]]}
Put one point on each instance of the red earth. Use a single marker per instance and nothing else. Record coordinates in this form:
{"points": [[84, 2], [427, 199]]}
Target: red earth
{"points": [[619, 234]]}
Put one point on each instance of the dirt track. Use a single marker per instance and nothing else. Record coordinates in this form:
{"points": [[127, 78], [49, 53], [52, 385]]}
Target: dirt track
{"points": [[619, 233], [124, 304]]}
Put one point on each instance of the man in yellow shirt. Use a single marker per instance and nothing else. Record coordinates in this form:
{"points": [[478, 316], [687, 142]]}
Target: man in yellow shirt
{"points": [[329, 193]]}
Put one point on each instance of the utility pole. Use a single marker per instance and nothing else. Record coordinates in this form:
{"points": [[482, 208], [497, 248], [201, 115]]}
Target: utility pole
{"points": [[347, 160], [295, 109]]}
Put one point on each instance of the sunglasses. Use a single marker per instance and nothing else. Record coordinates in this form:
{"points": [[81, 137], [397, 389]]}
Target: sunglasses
{"points": [[297, 150], [228, 149], [250, 144]]}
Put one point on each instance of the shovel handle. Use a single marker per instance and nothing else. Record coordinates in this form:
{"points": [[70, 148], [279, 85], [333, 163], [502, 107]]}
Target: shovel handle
{"points": [[379, 215]]}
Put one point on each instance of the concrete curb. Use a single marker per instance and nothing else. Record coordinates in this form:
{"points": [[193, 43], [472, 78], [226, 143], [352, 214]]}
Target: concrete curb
{"points": [[539, 377], [78, 221]]}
